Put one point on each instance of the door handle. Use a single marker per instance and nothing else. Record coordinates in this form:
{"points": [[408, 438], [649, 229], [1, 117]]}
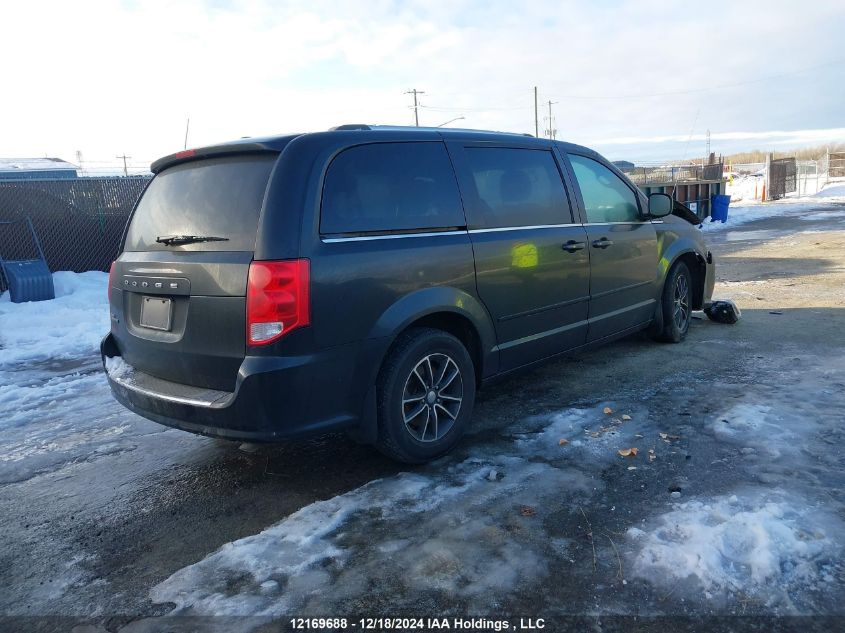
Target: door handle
{"points": [[571, 246], [602, 243]]}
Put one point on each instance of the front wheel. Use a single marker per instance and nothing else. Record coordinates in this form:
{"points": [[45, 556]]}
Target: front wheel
{"points": [[426, 392], [676, 305]]}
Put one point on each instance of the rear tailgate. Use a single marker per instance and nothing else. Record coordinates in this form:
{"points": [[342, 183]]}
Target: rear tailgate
{"points": [[179, 308]]}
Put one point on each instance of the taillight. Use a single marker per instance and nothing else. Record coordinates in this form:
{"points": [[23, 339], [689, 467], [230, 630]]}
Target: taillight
{"points": [[277, 299], [111, 278]]}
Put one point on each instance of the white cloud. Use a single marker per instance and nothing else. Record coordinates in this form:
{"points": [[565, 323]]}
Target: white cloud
{"points": [[106, 77]]}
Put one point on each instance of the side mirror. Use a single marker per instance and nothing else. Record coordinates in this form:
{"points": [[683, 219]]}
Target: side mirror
{"points": [[659, 205]]}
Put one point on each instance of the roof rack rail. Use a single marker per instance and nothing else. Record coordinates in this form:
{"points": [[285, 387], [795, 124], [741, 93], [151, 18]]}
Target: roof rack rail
{"points": [[350, 126]]}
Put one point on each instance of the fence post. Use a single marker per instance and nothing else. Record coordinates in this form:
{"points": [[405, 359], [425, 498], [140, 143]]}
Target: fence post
{"points": [[768, 176]]}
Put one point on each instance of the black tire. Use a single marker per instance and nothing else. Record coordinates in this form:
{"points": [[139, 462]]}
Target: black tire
{"points": [[407, 375], [675, 311]]}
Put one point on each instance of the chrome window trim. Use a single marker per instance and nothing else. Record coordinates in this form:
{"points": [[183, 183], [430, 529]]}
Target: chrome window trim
{"points": [[607, 223], [391, 236], [499, 229]]}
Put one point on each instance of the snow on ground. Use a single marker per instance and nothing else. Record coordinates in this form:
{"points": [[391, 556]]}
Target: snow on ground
{"points": [[745, 188], [778, 543], [458, 526], [54, 335], [480, 526], [757, 542], [69, 326], [56, 407], [454, 527], [832, 194]]}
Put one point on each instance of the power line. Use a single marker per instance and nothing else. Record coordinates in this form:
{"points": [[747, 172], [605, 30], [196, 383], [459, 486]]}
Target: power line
{"points": [[462, 109], [633, 96]]}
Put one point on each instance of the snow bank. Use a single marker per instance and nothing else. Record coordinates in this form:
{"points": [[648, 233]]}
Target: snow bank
{"points": [[69, 326], [759, 543], [831, 194], [832, 190]]}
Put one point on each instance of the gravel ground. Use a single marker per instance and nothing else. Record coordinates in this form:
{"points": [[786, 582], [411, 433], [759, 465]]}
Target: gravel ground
{"points": [[731, 508]]}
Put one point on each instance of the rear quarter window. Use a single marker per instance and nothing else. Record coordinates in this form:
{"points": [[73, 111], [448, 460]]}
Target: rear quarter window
{"points": [[390, 187], [219, 197]]}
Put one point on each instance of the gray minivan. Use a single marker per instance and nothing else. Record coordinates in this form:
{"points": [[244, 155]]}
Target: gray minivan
{"points": [[372, 278]]}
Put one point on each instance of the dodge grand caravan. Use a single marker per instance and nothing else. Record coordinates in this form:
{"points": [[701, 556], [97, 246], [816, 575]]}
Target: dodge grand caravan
{"points": [[372, 278]]}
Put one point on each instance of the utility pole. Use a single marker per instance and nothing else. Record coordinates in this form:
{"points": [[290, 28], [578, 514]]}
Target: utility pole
{"points": [[415, 92], [124, 157], [707, 152], [552, 130], [187, 127], [536, 116]]}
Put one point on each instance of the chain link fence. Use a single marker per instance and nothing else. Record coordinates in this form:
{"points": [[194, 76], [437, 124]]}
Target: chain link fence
{"points": [[810, 178], [79, 221], [662, 174]]}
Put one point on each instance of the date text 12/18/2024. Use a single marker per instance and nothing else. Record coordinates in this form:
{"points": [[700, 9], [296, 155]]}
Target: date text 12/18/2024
{"points": [[467, 625]]}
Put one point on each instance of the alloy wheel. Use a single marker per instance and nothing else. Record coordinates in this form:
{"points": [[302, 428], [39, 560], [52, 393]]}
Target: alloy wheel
{"points": [[432, 397], [681, 303]]}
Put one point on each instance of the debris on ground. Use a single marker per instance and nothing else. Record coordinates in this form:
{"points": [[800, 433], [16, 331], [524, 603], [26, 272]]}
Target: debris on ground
{"points": [[667, 437]]}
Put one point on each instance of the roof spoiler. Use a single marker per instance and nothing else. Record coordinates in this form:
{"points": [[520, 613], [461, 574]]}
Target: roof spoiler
{"points": [[210, 152]]}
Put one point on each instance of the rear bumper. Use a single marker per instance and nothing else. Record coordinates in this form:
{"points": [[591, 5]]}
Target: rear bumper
{"points": [[275, 398]]}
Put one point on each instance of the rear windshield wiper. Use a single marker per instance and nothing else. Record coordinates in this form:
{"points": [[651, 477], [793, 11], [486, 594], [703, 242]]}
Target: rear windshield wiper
{"points": [[171, 240]]}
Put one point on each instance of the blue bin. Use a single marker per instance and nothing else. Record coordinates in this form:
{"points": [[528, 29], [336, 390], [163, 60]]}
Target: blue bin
{"points": [[29, 281], [719, 208]]}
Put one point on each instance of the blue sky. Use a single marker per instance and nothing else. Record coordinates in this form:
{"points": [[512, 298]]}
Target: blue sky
{"points": [[111, 77]]}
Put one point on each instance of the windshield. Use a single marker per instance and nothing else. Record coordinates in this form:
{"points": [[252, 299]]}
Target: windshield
{"points": [[218, 197]]}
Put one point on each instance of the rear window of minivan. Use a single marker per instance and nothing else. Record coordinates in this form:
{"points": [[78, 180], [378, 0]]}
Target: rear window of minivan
{"points": [[217, 197], [391, 187]]}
